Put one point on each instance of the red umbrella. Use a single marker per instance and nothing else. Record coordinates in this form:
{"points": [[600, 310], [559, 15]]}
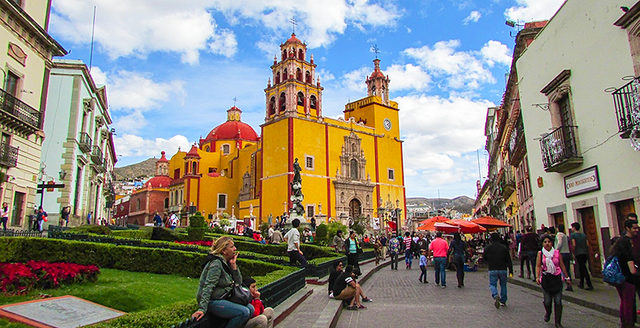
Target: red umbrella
{"points": [[467, 226], [445, 227], [434, 219], [490, 222]]}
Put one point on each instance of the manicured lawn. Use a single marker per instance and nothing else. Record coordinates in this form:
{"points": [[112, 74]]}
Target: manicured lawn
{"points": [[121, 290]]}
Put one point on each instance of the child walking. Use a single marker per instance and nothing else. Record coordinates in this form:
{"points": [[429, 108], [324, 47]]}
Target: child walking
{"points": [[423, 266]]}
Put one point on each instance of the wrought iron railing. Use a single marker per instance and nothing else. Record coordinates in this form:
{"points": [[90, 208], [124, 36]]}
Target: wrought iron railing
{"points": [[17, 108], [8, 155], [626, 101], [96, 155], [84, 142], [559, 146]]}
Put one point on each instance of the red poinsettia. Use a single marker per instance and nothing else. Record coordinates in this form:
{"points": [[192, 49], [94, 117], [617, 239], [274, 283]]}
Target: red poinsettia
{"points": [[18, 278], [199, 242]]}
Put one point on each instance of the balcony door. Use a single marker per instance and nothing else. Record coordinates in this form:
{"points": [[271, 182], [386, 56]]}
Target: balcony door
{"points": [[18, 209]]}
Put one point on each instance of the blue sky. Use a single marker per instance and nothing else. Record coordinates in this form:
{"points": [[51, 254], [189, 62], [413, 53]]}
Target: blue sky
{"points": [[172, 68]]}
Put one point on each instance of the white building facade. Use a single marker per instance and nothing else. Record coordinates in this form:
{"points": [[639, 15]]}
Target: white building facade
{"points": [[25, 66], [78, 151], [582, 168]]}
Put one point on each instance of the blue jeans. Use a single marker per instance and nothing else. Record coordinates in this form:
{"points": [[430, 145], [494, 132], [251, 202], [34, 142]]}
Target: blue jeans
{"points": [[494, 276], [408, 257], [237, 314], [440, 264]]}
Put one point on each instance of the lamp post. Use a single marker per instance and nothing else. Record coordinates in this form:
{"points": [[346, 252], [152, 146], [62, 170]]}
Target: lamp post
{"points": [[397, 215]]}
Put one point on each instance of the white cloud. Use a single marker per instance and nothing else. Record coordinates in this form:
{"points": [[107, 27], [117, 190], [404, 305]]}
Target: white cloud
{"points": [[99, 77], [496, 52], [129, 145], [460, 69], [354, 80], [533, 10], [474, 16], [133, 90], [125, 28], [408, 77]]}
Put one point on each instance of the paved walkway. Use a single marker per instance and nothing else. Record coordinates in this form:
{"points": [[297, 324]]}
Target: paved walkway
{"points": [[400, 300]]}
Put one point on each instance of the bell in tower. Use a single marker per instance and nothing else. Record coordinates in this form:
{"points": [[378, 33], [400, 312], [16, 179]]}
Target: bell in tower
{"points": [[378, 83]]}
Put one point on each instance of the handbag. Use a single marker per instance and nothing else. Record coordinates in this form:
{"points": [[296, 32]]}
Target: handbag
{"points": [[612, 273], [551, 283], [238, 294]]}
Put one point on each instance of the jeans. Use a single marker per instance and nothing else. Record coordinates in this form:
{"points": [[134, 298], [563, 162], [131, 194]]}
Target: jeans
{"points": [[4, 222], [533, 256], [408, 257], [439, 264], [627, 293], [237, 314], [296, 256], [424, 273], [584, 272], [525, 263], [548, 298], [394, 260], [494, 276], [459, 262]]}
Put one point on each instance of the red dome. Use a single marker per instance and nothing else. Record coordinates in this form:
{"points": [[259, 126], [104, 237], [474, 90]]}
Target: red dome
{"points": [[293, 39], [232, 130], [160, 181]]}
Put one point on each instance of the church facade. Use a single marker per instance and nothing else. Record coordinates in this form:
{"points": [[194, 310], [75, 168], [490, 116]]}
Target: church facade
{"points": [[352, 167]]}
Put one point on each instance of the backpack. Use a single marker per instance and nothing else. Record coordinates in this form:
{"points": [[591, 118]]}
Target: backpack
{"points": [[612, 273]]}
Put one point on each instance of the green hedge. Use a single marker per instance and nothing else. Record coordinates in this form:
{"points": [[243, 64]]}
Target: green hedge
{"points": [[164, 261], [165, 316], [142, 233]]}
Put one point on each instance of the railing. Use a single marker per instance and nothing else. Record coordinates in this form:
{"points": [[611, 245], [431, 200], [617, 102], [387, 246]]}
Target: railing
{"points": [[22, 111], [559, 147], [84, 142], [626, 101], [507, 182], [8, 155], [96, 155]]}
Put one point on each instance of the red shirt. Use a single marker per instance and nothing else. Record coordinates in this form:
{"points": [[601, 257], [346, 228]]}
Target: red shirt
{"points": [[439, 247], [258, 306]]}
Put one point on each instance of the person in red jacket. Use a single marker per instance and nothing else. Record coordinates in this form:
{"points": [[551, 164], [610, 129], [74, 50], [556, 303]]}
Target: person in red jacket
{"points": [[262, 317]]}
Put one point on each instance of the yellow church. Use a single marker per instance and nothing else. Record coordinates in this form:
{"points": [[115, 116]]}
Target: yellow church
{"points": [[352, 167]]}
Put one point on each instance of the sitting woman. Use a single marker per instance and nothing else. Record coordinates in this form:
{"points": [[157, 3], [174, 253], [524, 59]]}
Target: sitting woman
{"points": [[219, 273], [336, 271]]}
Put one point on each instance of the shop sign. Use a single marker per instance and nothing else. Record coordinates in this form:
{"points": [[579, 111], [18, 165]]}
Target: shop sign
{"points": [[581, 182]]}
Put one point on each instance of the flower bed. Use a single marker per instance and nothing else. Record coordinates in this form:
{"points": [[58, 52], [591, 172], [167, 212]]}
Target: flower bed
{"points": [[18, 278]]}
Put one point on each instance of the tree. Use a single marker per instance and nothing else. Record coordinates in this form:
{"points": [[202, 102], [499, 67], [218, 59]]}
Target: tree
{"points": [[332, 230], [321, 234], [358, 225]]}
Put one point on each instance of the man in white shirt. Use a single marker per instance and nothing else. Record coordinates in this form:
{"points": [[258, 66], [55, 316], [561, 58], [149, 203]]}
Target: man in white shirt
{"points": [[293, 244]]}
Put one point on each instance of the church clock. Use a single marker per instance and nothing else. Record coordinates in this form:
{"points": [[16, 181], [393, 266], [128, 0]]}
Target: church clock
{"points": [[387, 124]]}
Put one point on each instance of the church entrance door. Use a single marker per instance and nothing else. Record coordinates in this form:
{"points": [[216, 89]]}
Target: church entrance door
{"points": [[355, 209]]}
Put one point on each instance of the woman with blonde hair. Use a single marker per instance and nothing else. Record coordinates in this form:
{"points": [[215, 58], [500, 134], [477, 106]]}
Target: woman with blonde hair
{"points": [[220, 272]]}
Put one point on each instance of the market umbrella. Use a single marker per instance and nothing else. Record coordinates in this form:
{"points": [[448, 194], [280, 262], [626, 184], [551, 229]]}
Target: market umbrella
{"points": [[434, 219], [446, 227], [490, 222], [467, 226]]}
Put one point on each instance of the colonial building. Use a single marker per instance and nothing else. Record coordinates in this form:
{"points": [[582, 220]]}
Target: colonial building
{"points": [[578, 138], [151, 198], [25, 68], [78, 151], [351, 167]]}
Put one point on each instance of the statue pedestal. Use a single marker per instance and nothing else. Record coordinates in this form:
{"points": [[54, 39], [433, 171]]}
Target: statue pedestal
{"points": [[293, 216]]}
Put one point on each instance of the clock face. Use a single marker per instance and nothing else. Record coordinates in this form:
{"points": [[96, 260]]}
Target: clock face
{"points": [[387, 124]]}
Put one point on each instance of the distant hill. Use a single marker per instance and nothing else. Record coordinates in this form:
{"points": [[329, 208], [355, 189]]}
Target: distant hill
{"points": [[461, 204], [145, 168]]}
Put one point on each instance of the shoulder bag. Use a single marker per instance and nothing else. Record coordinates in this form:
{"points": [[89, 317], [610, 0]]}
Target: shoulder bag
{"points": [[237, 294], [612, 273]]}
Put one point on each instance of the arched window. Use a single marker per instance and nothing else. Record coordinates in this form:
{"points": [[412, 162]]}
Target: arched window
{"points": [[284, 54], [285, 76], [354, 169], [307, 77], [272, 106], [300, 54], [206, 148], [277, 77], [283, 102], [300, 99], [194, 167], [373, 90], [312, 102], [299, 74], [353, 147], [186, 168]]}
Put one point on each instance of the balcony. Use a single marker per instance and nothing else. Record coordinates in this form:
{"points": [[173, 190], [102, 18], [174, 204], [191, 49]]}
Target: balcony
{"points": [[18, 115], [626, 101], [560, 150], [517, 144], [96, 155], [84, 142], [507, 182], [8, 155]]}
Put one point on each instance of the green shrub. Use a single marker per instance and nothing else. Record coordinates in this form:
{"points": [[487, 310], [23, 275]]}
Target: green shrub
{"points": [[100, 230], [264, 229], [332, 230], [165, 316], [321, 233], [197, 227], [139, 259], [142, 233], [197, 221], [166, 234]]}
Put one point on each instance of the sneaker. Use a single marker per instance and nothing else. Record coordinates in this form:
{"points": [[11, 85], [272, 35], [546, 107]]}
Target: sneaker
{"points": [[503, 304], [331, 295], [443, 286], [426, 282], [496, 301], [437, 284], [366, 299], [589, 288]]}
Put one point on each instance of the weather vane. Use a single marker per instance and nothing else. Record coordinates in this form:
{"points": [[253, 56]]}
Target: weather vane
{"points": [[294, 23], [375, 49], [235, 100]]}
